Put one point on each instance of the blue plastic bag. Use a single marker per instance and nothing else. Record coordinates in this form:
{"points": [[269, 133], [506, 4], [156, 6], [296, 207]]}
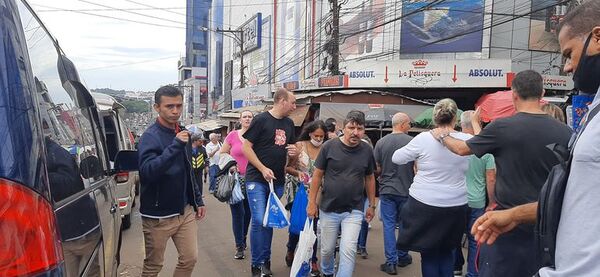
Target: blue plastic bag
{"points": [[275, 214], [298, 216]]}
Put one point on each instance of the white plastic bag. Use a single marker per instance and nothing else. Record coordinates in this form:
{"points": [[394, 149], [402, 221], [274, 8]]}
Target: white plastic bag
{"points": [[301, 264], [236, 194], [275, 214]]}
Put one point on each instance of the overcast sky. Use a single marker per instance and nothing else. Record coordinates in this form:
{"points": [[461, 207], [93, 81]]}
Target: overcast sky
{"points": [[114, 52]]}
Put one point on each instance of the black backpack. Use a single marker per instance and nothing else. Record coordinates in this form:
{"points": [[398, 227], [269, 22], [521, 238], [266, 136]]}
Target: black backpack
{"points": [[551, 198]]}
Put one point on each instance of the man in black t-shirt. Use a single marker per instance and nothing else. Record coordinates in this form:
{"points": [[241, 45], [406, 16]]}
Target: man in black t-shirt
{"points": [[345, 166], [523, 162], [268, 142]]}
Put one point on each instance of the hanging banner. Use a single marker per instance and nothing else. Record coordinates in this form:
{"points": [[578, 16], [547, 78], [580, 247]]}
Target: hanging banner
{"points": [[429, 73]]}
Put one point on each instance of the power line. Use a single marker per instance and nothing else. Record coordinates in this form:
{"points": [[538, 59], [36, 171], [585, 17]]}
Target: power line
{"points": [[132, 12], [127, 64], [115, 18]]}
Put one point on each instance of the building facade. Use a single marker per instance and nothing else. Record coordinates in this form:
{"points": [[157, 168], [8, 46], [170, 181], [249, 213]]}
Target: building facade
{"points": [[423, 49]]}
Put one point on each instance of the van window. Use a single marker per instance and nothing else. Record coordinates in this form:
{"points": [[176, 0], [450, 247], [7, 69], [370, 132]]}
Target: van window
{"points": [[64, 124]]}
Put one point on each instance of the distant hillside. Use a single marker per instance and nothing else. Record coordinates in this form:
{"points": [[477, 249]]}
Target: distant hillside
{"points": [[112, 92], [133, 105]]}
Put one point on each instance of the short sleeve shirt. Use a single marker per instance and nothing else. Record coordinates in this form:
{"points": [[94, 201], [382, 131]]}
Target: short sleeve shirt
{"points": [[523, 161], [476, 179], [395, 179], [233, 139], [345, 169], [270, 137]]}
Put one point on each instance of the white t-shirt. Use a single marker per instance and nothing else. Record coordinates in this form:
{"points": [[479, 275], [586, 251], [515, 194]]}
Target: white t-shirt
{"points": [[440, 180], [210, 147]]}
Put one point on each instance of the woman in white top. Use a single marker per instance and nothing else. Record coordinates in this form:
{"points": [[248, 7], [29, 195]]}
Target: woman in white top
{"points": [[434, 217]]}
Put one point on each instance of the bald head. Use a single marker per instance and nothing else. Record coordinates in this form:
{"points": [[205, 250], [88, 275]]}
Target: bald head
{"points": [[400, 122]]}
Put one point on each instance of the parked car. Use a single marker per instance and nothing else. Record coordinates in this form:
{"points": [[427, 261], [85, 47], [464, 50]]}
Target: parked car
{"points": [[59, 212], [118, 137]]}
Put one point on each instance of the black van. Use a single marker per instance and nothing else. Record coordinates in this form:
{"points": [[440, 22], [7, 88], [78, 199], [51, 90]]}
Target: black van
{"points": [[59, 215]]}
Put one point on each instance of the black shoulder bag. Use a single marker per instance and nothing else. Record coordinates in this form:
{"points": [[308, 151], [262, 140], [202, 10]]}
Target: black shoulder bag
{"points": [[551, 198]]}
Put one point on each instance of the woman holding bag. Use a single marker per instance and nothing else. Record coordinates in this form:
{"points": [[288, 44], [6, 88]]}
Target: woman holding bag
{"points": [[301, 169], [240, 212]]}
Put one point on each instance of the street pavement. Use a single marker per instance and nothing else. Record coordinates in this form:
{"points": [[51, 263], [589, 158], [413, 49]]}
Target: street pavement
{"points": [[216, 249]]}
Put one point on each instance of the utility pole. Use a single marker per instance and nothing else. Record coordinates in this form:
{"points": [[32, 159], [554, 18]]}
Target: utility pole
{"points": [[335, 38], [242, 59]]}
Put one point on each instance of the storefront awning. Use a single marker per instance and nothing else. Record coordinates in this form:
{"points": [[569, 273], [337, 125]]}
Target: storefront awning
{"points": [[299, 114]]}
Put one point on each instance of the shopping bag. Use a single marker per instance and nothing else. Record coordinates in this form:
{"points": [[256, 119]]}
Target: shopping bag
{"points": [[275, 214], [298, 215], [225, 184], [301, 264], [236, 194]]}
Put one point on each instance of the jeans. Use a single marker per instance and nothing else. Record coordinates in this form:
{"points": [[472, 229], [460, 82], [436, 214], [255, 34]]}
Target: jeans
{"points": [[390, 206], [212, 177], [437, 263], [330, 225], [240, 221], [364, 229], [260, 237]]}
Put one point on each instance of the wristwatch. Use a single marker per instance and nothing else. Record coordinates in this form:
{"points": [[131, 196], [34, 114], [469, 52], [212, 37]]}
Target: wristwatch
{"points": [[443, 136], [373, 206]]}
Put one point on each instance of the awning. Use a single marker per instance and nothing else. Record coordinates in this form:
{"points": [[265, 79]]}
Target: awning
{"points": [[207, 125], [299, 114]]}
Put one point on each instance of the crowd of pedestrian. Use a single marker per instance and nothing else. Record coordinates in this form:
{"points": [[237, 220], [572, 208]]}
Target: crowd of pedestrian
{"points": [[460, 179]]}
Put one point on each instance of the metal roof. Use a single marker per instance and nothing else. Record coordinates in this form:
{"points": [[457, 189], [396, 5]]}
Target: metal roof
{"points": [[106, 102]]}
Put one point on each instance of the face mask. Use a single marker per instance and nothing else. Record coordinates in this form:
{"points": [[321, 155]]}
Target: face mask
{"points": [[316, 143], [587, 74]]}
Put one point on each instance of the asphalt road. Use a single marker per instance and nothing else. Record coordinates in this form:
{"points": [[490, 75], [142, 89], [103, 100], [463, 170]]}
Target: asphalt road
{"points": [[216, 249]]}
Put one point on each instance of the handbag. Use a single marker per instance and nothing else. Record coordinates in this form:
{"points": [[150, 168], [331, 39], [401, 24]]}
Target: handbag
{"points": [[225, 184], [551, 198]]}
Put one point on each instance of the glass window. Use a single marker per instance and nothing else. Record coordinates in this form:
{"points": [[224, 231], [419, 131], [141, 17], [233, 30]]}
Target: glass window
{"points": [[69, 134]]}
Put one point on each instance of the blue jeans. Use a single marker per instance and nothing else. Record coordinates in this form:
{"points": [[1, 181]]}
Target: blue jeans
{"points": [[473, 215], [240, 221], [330, 225], [260, 237], [437, 263], [212, 176], [390, 206]]}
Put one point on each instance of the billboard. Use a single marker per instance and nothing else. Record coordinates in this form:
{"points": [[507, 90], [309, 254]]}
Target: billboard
{"points": [[447, 26], [430, 73], [252, 30], [543, 25], [358, 35]]}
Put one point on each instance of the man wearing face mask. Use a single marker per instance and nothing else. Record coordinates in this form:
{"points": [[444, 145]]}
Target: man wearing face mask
{"points": [[577, 244]]}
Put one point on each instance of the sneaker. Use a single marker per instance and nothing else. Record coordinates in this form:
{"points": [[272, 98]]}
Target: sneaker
{"points": [[405, 261], [239, 254], [289, 258], [458, 273], [389, 268], [266, 269], [314, 269], [256, 271], [363, 253]]}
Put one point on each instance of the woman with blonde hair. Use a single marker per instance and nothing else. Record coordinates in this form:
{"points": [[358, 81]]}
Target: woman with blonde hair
{"points": [[554, 111], [240, 212], [434, 217]]}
